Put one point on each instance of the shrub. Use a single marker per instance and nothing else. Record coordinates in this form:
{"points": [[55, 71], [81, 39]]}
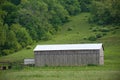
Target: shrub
{"points": [[70, 29], [47, 36], [104, 34], [92, 38], [92, 25], [104, 30], [85, 38], [117, 27], [94, 29], [7, 51], [28, 47], [90, 28], [99, 35], [113, 32]]}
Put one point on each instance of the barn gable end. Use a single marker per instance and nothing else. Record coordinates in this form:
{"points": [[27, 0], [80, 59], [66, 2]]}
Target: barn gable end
{"points": [[69, 54]]}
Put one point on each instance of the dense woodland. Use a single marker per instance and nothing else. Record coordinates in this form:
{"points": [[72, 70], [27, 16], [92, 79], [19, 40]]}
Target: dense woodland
{"points": [[23, 22]]}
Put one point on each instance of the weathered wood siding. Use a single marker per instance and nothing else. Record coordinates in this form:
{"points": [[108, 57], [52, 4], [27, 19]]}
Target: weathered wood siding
{"points": [[101, 59], [68, 57]]}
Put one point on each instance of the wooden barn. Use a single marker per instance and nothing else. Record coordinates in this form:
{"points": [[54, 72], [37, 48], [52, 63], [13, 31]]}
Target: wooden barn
{"points": [[69, 55]]}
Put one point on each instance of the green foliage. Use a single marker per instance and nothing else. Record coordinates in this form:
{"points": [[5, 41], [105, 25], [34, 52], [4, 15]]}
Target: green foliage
{"points": [[2, 34], [105, 29], [2, 1], [105, 12], [16, 2], [72, 6], [25, 21], [58, 13], [94, 29], [70, 29], [22, 35], [99, 35], [10, 11], [85, 5], [2, 15], [29, 47], [11, 42], [46, 36], [29, 20], [8, 7], [7, 52], [35, 18], [100, 31], [92, 38]]}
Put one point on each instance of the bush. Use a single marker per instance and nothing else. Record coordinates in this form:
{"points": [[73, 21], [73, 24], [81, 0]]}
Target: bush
{"points": [[104, 30], [94, 29], [7, 51], [117, 27], [92, 38], [114, 32], [46, 36], [85, 38], [104, 34], [28, 47], [70, 29], [99, 35], [90, 28]]}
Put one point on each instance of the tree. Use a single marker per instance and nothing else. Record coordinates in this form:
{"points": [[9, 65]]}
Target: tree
{"points": [[11, 12], [2, 34], [58, 13], [2, 1], [72, 6], [22, 35], [105, 12], [35, 17], [11, 41], [85, 5], [16, 2], [8, 7], [115, 11]]}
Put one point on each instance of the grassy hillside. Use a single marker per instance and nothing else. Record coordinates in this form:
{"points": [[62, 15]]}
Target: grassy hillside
{"points": [[78, 30]]}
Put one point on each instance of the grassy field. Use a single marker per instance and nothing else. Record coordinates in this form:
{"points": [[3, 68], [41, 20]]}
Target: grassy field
{"points": [[37, 74], [80, 30]]}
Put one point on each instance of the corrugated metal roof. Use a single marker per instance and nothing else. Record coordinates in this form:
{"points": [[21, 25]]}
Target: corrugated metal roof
{"points": [[68, 47]]}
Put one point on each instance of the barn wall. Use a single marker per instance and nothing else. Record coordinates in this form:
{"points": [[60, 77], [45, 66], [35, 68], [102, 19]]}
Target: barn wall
{"points": [[101, 59], [66, 57]]}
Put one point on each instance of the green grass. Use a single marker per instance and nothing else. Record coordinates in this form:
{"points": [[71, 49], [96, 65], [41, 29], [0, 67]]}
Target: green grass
{"points": [[60, 75], [18, 56], [80, 30]]}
